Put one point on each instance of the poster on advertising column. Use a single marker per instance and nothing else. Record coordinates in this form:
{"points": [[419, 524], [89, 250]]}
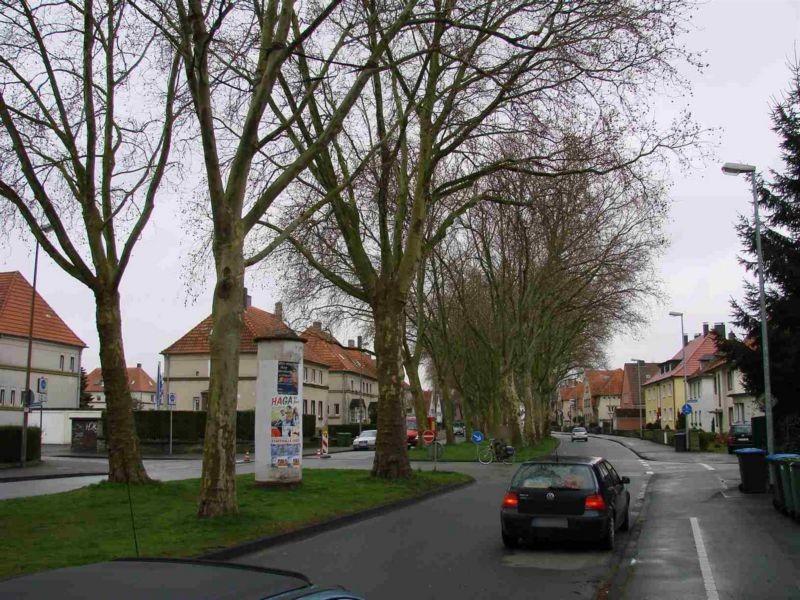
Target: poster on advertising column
{"points": [[286, 439]]}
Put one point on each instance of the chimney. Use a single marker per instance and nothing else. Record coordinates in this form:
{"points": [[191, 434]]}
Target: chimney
{"points": [[731, 336], [138, 365], [685, 339], [360, 342], [317, 325], [720, 329], [279, 310], [705, 329], [246, 299], [351, 343]]}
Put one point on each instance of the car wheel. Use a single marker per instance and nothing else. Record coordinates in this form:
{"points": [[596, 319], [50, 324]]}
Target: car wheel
{"points": [[608, 539], [510, 541]]}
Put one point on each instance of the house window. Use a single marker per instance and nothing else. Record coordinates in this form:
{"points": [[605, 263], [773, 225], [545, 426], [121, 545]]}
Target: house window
{"points": [[61, 363], [72, 364], [305, 373], [196, 402], [2, 397], [319, 417], [730, 415], [313, 407], [336, 409], [729, 375], [716, 385], [13, 394], [305, 407]]}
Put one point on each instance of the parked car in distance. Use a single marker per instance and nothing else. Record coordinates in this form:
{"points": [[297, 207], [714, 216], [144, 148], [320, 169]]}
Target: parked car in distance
{"points": [[458, 429], [578, 498], [162, 578], [579, 434], [412, 435], [740, 435], [366, 440]]}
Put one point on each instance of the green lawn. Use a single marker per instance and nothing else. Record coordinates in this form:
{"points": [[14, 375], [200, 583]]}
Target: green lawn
{"points": [[93, 524], [466, 452]]}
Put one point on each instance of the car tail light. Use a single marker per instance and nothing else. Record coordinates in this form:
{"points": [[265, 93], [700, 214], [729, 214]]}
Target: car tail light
{"points": [[594, 502], [510, 500], [731, 439]]}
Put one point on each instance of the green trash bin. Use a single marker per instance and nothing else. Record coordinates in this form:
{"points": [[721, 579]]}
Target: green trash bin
{"points": [[344, 439], [780, 485], [794, 473]]}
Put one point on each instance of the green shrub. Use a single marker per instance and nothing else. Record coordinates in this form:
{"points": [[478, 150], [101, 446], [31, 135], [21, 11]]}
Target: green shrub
{"points": [[309, 426], [11, 438], [351, 428]]}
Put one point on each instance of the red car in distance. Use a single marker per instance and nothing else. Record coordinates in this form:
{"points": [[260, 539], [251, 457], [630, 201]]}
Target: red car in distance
{"points": [[412, 435]]}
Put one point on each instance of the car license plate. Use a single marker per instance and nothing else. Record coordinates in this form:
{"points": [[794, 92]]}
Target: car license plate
{"points": [[742, 439], [549, 522]]}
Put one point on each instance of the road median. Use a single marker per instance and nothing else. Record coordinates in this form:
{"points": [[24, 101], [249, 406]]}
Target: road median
{"points": [[94, 523]]}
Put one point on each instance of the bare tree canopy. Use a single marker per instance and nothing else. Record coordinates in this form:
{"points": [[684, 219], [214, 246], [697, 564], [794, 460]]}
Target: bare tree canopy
{"points": [[470, 90], [87, 103]]}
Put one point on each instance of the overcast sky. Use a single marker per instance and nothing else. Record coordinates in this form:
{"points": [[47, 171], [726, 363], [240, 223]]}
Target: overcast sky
{"points": [[748, 45]]}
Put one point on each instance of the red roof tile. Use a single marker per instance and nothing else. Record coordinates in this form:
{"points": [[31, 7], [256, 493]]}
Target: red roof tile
{"points": [[15, 312], [256, 323], [339, 358], [605, 383], [138, 379], [630, 381], [571, 392], [695, 350]]}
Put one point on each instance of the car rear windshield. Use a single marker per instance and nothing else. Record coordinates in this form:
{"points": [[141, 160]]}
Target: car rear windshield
{"points": [[370, 433], [579, 430], [554, 476], [741, 429]]}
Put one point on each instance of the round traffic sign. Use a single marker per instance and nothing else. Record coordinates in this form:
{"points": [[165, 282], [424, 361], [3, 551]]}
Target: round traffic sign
{"points": [[428, 436], [477, 437]]}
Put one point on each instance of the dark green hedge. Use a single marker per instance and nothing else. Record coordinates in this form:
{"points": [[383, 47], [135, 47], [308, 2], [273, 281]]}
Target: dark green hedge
{"points": [[351, 428], [10, 439], [190, 425], [309, 425]]}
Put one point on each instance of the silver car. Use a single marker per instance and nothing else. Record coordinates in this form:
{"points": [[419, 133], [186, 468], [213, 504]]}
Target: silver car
{"points": [[365, 441], [580, 434]]}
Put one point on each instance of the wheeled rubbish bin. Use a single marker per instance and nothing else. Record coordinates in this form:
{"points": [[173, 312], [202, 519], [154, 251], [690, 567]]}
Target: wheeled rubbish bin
{"points": [[752, 470]]}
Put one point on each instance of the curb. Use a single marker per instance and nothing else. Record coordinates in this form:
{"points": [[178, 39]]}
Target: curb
{"points": [[334, 523], [631, 448], [52, 476]]}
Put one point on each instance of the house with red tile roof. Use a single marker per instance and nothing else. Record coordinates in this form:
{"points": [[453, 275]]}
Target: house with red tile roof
{"points": [[602, 393], [143, 388], [352, 377], [570, 401], [340, 383], [630, 416], [666, 393], [55, 350]]}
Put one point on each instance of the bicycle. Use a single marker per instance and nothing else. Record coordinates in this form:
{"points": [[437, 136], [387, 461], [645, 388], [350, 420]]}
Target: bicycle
{"points": [[495, 451]]}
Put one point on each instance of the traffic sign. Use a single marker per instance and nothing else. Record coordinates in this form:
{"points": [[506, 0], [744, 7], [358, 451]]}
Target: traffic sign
{"points": [[172, 398], [42, 385], [428, 436], [686, 409], [477, 437]]}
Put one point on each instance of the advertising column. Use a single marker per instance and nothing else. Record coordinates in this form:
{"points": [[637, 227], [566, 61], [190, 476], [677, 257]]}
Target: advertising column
{"points": [[279, 414]]}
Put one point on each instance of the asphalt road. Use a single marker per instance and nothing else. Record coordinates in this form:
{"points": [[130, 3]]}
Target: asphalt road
{"points": [[450, 546]]}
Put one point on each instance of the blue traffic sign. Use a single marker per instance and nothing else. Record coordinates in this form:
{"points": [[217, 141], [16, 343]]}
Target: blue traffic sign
{"points": [[686, 409], [171, 398], [477, 437]]}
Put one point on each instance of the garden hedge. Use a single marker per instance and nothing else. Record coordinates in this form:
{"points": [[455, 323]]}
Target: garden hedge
{"points": [[10, 439]]}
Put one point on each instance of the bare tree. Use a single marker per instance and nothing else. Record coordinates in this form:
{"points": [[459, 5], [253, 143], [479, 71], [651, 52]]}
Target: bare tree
{"points": [[466, 79], [87, 103], [254, 69]]}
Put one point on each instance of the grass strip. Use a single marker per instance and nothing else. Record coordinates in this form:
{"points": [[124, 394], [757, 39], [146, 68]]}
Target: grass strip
{"points": [[466, 451], [93, 523]]}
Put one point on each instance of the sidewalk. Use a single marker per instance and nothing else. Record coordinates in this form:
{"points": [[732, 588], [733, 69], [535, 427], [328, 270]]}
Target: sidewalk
{"points": [[659, 452]]}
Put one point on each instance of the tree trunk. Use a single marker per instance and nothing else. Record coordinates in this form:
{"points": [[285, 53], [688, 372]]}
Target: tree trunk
{"points": [[420, 410], [218, 485], [124, 455], [391, 453], [530, 430], [449, 412]]}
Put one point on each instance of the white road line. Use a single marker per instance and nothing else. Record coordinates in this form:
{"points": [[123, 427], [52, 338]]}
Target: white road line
{"points": [[710, 468], [705, 566]]}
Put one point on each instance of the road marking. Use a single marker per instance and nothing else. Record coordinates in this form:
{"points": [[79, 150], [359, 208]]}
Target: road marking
{"points": [[705, 565], [710, 468]]}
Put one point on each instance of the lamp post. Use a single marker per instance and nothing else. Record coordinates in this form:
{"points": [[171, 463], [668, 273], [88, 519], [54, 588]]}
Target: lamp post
{"points": [[685, 375], [23, 449], [738, 169], [639, 362]]}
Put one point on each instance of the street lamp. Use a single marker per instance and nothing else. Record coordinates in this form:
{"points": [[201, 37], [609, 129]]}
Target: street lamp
{"points": [[639, 362], [23, 450], [738, 169], [685, 375]]}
